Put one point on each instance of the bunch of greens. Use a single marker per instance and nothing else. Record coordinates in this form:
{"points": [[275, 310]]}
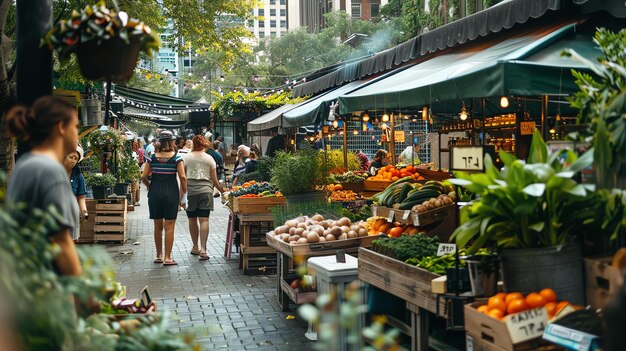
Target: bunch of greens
{"points": [[535, 203], [405, 247], [298, 172], [263, 172], [348, 177], [440, 264], [99, 179], [356, 212]]}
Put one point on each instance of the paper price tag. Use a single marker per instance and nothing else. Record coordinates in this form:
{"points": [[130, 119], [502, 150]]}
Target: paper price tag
{"points": [[391, 214], [416, 219], [374, 211], [341, 256], [446, 249], [406, 215], [527, 325]]}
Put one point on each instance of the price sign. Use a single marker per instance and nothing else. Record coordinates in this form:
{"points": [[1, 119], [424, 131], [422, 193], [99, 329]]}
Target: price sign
{"points": [[527, 325], [406, 215], [570, 338], [399, 136], [468, 158], [374, 211], [416, 219], [527, 128], [341, 256], [391, 214], [446, 249]]}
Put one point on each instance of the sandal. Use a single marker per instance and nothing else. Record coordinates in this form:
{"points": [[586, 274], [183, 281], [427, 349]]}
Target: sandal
{"points": [[170, 263], [158, 260], [195, 252], [204, 257]]}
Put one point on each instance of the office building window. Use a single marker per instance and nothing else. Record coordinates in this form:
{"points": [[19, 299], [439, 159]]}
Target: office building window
{"points": [[261, 24], [261, 34], [356, 10], [272, 2], [261, 12], [375, 10], [283, 12], [283, 24], [283, 2], [272, 12], [273, 24]]}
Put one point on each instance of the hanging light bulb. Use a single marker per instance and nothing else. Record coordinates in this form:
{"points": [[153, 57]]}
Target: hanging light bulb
{"points": [[355, 132], [552, 131], [385, 117], [558, 117], [504, 102], [335, 124], [463, 114], [365, 117], [424, 113]]}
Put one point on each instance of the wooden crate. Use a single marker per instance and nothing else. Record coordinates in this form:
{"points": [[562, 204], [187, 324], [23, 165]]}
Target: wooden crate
{"points": [[358, 187], [298, 297], [492, 334], [111, 205], [410, 283], [415, 218], [130, 208], [320, 249], [260, 263], [118, 238], [257, 204], [602, 280], [110, 228], [86, 231], [375, 185], [434, 175], [253, 233]]}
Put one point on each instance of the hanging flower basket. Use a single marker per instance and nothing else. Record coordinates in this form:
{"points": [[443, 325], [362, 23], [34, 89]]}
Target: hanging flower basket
{"points": [[106, 42]]}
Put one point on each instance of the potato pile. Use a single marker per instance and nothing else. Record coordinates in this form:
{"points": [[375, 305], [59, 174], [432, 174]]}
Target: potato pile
{"points": [[309, 230]]}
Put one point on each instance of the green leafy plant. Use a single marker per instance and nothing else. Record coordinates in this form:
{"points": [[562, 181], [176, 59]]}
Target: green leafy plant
{"points": [[100, 141], [602, 104], [298, 172], [99, 179], [228, 104], [128, 170], [335, 160], [535, 203], [97, 23], [263, 172]]}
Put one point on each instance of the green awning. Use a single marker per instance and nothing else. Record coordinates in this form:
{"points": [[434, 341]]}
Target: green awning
{"points": [[272, 119], [526, 64], [314, 111]]}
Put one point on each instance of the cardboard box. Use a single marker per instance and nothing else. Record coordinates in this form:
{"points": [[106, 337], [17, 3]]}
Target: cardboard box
{"points": [[602, 280]]}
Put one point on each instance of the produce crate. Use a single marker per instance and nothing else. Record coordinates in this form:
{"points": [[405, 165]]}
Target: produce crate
{"points": [[259, 263], [111, 205], [253, 233], [492, 334], [434, 175], [414, 218], [408, 282], [257, 204], [86, 231], [375, 185], [602, 280], [320, 249], [358, 187], [118, 238], [298, 297]]}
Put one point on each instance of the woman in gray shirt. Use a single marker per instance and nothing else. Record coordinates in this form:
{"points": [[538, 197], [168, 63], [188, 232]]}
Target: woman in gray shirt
{"points": [[200, 169], [39, 180]]}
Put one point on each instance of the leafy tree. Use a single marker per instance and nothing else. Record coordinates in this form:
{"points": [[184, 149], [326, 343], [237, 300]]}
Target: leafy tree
{"points": [[150, 81]]}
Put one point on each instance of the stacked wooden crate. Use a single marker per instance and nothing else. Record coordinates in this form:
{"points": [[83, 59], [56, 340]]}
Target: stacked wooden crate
{"points": [[110, 221], [256, 256], [87, 227]]}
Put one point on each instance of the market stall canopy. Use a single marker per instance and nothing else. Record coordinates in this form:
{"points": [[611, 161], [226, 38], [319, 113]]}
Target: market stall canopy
{"points": [[270, 120], [314, 111], [156, 103], [526, 64]]}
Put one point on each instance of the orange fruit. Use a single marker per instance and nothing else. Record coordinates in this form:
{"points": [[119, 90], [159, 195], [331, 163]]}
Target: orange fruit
{"points": [[548, 294], [482, 308], [500, 295], [495, 313], [512, 296], [496, 303], [534, 300], [550, 308], [516, 305], [560, 306]]}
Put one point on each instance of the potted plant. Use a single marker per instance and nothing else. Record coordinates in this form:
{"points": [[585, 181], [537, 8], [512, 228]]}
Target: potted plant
{"points": [[101, 141], [127, 172], [537, 214], [101, 184], [106, 42], [298, 174]]}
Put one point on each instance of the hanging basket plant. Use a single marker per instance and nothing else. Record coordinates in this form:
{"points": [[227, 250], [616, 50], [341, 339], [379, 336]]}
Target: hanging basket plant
{"points": [[101, 141], [106, 42]]}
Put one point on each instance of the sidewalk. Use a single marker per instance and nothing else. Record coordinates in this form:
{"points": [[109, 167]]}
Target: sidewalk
{"points": [[213, 299]]}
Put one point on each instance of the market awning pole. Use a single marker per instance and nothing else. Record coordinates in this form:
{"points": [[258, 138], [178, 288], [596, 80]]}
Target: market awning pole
{"points": [[345, 144], [483, 102], [392, 138], [544, 112]]}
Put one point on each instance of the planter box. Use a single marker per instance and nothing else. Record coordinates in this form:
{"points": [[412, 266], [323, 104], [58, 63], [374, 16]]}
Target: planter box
{"points": [[257, 204], [320, 249], [410, 283], [602, 281], [376, 185]]}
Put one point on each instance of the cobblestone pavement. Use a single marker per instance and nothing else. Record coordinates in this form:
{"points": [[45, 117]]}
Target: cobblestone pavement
{"points": [[212, 299]]}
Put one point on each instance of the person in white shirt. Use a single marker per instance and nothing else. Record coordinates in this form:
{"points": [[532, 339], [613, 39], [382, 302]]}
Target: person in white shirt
{"points": [[150, 149], [410, 155]]}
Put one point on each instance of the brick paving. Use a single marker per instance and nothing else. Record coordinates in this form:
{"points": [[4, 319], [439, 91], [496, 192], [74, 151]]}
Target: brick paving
{"points": [[211, 299]]}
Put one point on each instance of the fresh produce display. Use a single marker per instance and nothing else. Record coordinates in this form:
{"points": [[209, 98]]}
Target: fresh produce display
{"points": [[503, 304], [305, 284], [414, 196], [254, 189], [392, 173], [348, 177], [406, 247], [334, 187], [440, 264], [308, 230], [356, 212], [343, 195], [380, 225]]}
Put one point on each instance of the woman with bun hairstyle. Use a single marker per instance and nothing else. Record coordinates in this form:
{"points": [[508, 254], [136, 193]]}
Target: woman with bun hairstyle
{"points": [[164, 193], [201, 172], [39, 180]]}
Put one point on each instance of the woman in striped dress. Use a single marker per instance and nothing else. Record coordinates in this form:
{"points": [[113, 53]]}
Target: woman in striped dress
{"points": [[164, 194]]}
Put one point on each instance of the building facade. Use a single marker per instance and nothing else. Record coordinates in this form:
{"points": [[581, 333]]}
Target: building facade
{"points": [[310, 13], [271, 18]]}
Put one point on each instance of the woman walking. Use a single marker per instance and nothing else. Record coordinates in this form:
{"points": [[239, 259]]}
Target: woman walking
{"points": [[77, 181], [164, 194], [201, 172], [50, 127]]}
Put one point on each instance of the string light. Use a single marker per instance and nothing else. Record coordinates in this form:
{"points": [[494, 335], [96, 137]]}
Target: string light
{"points": [[463, 114], [365, 116], [385, 117], [355, 132], [335, 124], [424, 113], [504, 102]]}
